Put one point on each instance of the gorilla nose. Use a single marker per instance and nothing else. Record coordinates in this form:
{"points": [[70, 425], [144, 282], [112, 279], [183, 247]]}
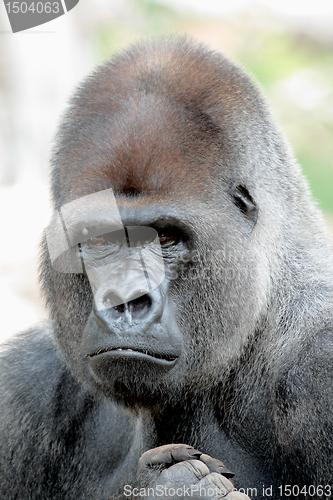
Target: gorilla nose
{"points": [[136, 304], [140, 307]]}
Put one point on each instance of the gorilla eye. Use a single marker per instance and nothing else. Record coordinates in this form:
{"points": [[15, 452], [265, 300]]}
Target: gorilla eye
{"points": [[244, 201], [98, 241], [167, 239], [112, 238]]}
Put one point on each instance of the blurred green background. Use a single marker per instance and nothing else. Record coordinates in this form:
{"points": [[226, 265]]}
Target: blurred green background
{"points": [[294, 67]]}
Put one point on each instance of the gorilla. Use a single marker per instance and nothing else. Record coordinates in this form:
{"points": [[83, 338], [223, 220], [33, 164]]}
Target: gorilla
{"points": [[189, 280]]}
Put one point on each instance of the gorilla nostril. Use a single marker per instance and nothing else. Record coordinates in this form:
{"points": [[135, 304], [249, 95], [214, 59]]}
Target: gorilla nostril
{"points": [[140, 303], [137, 303], [120, 308], [111, 299]]}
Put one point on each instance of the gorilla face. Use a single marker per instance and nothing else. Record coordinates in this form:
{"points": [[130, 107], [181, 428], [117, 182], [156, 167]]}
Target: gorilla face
{"points": [[150, 264]]}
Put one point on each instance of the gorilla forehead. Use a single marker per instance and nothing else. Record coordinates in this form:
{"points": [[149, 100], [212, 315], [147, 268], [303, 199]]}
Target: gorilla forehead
{"points": [[148, 140], [145, 145], [175, 70], [141, 131]]}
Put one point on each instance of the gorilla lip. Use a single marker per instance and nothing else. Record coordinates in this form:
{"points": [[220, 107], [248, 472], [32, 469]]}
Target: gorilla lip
{"points": [[128, 352]]}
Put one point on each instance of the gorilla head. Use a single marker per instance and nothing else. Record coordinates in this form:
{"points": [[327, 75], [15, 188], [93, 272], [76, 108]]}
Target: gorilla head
{"points": [[177, 212]]}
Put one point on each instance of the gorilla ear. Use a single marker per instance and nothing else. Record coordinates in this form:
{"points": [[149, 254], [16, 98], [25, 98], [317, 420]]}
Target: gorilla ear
{"points": [[244, 201]]}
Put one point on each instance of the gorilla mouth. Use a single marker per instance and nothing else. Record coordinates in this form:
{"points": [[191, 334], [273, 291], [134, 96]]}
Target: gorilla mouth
{"points": [[127, 352]]}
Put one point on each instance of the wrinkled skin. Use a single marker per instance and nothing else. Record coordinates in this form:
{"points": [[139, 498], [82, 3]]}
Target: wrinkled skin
{"points": [[189, 279], [181, 469]]}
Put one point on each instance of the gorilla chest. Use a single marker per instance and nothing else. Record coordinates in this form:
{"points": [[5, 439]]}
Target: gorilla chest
{"points": [[122, 439]]}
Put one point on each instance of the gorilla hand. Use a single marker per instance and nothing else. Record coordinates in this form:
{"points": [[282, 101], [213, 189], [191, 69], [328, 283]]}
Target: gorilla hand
{"points": [[178, 470]]}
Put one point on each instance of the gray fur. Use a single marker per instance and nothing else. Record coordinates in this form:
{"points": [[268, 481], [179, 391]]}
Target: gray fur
{"points": [[170, 123]]}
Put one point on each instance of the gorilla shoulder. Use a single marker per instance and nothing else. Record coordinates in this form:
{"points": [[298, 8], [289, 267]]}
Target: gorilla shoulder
{"points": [[34, 381], [44, 415], [29, 361]]}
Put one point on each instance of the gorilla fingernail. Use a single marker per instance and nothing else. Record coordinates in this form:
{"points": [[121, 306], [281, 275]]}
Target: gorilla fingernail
{"points": [[194, 453], [225, 472]]}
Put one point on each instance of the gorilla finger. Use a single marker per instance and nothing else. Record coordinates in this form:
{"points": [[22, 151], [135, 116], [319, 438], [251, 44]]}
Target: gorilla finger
{"points": [[184, 452], [215, 486], [215, 465], [184, 473], [168, 455]]}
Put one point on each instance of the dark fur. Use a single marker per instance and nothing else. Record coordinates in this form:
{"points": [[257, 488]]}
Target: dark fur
{"points": [[169, 123]]}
